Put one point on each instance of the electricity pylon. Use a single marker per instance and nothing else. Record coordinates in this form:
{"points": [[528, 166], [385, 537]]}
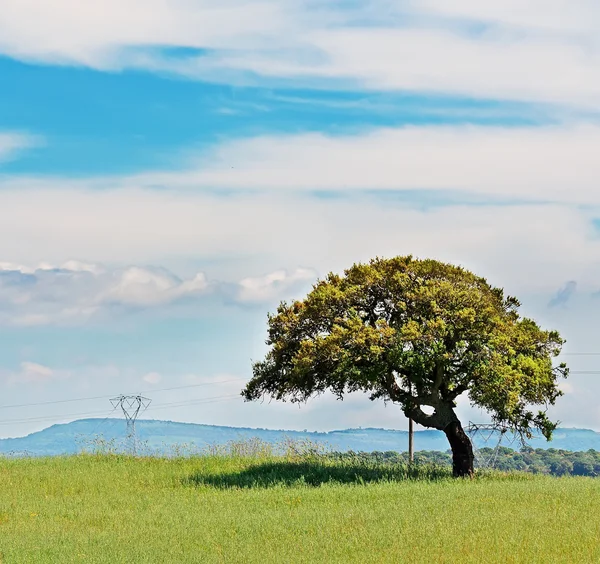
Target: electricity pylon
{"points": [[131, 406], [492, 433]]}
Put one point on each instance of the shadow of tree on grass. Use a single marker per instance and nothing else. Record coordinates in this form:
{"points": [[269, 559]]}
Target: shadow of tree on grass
{"points": [[315, 473]]}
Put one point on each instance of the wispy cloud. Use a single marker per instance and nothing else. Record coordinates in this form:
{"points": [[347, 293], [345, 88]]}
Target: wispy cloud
{"points": [[562, 16], [525, 163], [544, 51], [11, 144], [544, 163], [152, 378], [277, 201], [77, 292], [265, 288], [33, 373], [511, 66], [68, 32], [274, 231], [273, 213], [563, 295], [74, 292]]}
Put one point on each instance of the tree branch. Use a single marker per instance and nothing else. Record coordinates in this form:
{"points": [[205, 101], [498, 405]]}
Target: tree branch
{"points": [[439, 378], [442, 416], [460, 389]]}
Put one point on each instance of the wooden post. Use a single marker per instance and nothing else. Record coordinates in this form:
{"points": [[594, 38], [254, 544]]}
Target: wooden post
{"points": [[411, 445]]}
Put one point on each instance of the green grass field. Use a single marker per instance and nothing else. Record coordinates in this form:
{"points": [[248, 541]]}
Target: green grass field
{"points": [[224, 509]]}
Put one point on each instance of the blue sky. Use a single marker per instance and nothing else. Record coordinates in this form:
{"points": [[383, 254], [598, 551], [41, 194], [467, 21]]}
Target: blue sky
{"points": [[170, 171]]}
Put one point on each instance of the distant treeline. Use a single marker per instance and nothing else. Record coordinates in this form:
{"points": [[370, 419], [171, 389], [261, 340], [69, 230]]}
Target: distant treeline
{"points": [[550, 461]]}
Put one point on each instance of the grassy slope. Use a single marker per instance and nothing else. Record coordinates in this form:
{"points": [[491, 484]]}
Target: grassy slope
{"points": [[110, 509]]}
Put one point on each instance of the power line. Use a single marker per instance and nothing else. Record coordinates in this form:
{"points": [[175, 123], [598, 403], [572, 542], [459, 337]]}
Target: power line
{"points": [[53, 402], [104, 420], [51, 417], [197, 401], [197, 385], [218, 382], [87, 414], [180, 403], [211, 383]]}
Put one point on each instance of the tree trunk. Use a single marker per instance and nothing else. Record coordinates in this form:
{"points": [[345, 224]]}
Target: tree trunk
{"points": [[462, 451], [444, 419]]}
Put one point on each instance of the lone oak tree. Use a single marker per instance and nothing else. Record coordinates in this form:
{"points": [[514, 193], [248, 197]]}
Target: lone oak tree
{"points": [[418, 333]]}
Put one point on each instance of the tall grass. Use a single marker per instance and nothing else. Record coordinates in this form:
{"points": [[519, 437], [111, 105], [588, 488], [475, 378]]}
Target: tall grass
{"points": [[251, 506], [252, 447]]}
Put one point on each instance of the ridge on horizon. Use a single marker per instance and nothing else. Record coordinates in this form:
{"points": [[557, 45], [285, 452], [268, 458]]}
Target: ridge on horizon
{"points": [[67, 438], [269, 429]]}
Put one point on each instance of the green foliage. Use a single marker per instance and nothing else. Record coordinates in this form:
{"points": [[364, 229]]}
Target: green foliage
{"points": [[551, 462], [118, 509], [291, 460], [556, 462], [418, 333], [319, 470]]}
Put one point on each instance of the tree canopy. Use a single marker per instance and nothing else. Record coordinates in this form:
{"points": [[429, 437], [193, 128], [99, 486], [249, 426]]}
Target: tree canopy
{"points": [[418, 333]]}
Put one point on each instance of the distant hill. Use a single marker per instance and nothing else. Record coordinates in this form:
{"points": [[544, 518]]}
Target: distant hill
{"points": [[160, 436]]}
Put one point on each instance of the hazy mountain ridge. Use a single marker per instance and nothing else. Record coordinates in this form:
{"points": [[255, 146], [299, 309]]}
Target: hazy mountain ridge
{"points": [[70, 438]]}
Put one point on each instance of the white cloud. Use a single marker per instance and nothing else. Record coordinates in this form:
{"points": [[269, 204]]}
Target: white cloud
{"points": [[563, 16], [75, 292], [62, 295], [535, 246], [266, 288], [100, 35], [152, 378], [124, 221], [563, 295], [545, 51], [146, 287], [546, 163], [515, 66], [13, 143], [33, 373], [550, 163]]}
